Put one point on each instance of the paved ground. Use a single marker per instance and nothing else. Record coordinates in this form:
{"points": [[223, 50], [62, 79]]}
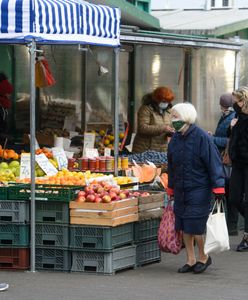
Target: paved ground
{"points": [[226, 279]]}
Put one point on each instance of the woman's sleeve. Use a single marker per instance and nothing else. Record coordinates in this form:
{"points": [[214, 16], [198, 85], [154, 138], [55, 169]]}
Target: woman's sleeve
{"points": [[144, 126], [170, 189], [212, 160]]}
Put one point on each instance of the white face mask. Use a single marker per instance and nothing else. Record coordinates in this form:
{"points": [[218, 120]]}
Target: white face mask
{"points": [[163, 105]]}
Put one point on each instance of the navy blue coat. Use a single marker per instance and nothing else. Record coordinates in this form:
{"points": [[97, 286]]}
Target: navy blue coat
{"points": [[194, 170]]}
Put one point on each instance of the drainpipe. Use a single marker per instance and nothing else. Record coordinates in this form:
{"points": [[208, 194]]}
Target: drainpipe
{"points": [[237, 66], [208, 5]]}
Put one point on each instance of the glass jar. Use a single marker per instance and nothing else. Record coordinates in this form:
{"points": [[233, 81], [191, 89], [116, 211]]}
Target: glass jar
{"points": [[92, 164], [102, 164], [109, 164], [83, 163], [124, 162], [71, 163]]}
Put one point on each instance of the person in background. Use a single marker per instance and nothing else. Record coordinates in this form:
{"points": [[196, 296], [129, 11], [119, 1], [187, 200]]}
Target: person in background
{"points": [[5, 103], [238, 152], [195, 171], [154, 125], [220, 139]]}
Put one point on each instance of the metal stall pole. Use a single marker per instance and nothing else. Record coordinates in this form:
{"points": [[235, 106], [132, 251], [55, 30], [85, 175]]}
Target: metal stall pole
{"points": [[32, 51], [116, 107], [237, 70]]}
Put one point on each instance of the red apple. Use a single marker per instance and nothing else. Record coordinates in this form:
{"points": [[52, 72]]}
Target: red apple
{"points": [[126, 192], [136, 194], [106, 199], [95, 187], [90, 198], [122, 195], [112, 195], [87, 189], [145, 194], [81, 194], [80, 199], [107, 187], [100, 190], [98, 200], [114, 190]]}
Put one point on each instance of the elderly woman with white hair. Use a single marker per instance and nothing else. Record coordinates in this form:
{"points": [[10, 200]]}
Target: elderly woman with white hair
{"points": [[195, 172]]}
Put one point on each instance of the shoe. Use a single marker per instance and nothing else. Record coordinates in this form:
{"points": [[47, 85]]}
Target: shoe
{"points": [[186, 269], [201, 267], [4, 286], [243, 246]]}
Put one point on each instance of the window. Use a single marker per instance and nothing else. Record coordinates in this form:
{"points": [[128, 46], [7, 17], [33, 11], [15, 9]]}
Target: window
{"points": [[225, 3], [213, 3]]}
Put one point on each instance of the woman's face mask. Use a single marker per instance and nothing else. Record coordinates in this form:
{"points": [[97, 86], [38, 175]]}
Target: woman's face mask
{"points": [[163, 105], [237, 108], [178, 124]]}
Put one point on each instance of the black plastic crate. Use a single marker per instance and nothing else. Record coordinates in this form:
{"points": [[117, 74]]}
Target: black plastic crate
{"points": [[14, 234], [52, 212], [100, 237], [146, 230], [104, 262], [52, 235], [44, 192], [51, 259], [3, 192], [14, 211], [148, 252]]}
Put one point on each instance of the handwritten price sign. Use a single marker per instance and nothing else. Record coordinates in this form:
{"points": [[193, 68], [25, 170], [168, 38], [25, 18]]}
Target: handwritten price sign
{"points": [[45, 164], [61, 158], [25, 169]]}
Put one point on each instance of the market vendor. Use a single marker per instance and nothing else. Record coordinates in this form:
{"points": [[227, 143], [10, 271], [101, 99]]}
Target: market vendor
{"points": [[5, 103], [154, 125]]}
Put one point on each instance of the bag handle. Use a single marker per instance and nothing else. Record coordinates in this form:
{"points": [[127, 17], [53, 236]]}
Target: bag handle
{"points": [[220, 206]]}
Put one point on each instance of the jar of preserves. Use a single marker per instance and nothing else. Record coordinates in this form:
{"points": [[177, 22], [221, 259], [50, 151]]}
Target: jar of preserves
{"points": [[92, 164], [97, 164], [71, 164], [109, 164], [83, 163], [124, 162], [102, 164]]}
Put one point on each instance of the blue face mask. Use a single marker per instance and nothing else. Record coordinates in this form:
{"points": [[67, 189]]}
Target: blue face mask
{"points": [[163, 105]]}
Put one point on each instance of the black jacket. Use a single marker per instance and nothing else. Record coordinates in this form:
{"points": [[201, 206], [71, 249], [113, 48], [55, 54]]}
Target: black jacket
{"points": [[238, 146]]}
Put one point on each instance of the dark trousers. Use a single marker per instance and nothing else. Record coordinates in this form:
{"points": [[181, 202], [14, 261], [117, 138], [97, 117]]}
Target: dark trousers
{"points": [[239, 191], [232, 212]]}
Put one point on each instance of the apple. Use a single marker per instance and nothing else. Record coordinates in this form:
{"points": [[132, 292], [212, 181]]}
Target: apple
{"points": [[90, 198], [95, 187], [87, 189], [81, 199], [122, 195], [145, 194], [81, 194], [106, 199], [136, 194], [90, 192], [126, 192], [107, 187], [100, 190], [98, 200], [112, 195], [114, 190]]}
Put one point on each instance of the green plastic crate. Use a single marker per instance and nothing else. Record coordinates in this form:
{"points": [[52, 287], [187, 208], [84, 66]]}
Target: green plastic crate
{"points": [[104, 262], [14, 234], [146, 230], [147, 252], [52, 235], [3, 193], [50, 259], [14, 211], [52, 212], [44, 192], [100, 237]]}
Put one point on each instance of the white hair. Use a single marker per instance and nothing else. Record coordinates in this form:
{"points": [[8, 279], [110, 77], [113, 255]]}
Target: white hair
{"points": [[186, 111]]}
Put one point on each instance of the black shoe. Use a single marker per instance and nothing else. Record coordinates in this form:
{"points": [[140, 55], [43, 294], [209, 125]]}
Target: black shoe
{"points": [[201, 267], [186, 269], [243, 246]]}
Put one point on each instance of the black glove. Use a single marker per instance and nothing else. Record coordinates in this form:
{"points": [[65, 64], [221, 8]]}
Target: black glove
{"points": [[219, 197]]}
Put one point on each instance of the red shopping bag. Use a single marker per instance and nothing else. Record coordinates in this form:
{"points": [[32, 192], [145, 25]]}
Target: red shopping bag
{"points": [[43, 74], [169, 240]]}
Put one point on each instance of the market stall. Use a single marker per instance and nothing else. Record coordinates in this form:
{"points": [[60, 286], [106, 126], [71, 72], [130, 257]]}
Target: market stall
{"points": [[57, 22]]}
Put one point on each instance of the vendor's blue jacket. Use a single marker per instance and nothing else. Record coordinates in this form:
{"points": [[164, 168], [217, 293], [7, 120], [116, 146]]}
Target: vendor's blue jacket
{"points": [[194, 170]]}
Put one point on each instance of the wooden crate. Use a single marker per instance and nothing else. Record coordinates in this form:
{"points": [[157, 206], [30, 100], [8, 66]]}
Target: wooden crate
{"points": [[105, 214], [151, 206]]}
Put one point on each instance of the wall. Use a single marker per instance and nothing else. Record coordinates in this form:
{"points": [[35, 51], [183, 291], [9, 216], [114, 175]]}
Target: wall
{"points": [[178, 4]]}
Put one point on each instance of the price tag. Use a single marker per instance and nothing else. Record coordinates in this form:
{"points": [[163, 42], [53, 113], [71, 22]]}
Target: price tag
{"points": [[91, 153], [107, 152], [89, 141], [45, 164], [37, 146], [60, 155], [25, 168]]}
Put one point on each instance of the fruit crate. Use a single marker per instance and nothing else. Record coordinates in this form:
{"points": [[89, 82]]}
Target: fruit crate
{"points": [[14, 211], [100, 237], [14, 258], [104, 262], [3, 192], [52, 212], [51, 259], [52, 235], [14, 234], [146, 230], [147, 252], [44, 192]]}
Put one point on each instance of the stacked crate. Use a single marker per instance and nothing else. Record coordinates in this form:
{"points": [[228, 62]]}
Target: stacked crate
{"points": [[14, 233], [146, 229], [100, 248], [52, 224]]}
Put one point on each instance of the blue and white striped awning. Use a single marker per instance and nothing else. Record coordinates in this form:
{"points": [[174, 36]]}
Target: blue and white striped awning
{"points": [[59, 21]]}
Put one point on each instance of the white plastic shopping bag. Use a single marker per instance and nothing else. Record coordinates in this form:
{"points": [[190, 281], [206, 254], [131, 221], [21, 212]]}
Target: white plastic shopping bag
{"points": [[217, 239]]}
